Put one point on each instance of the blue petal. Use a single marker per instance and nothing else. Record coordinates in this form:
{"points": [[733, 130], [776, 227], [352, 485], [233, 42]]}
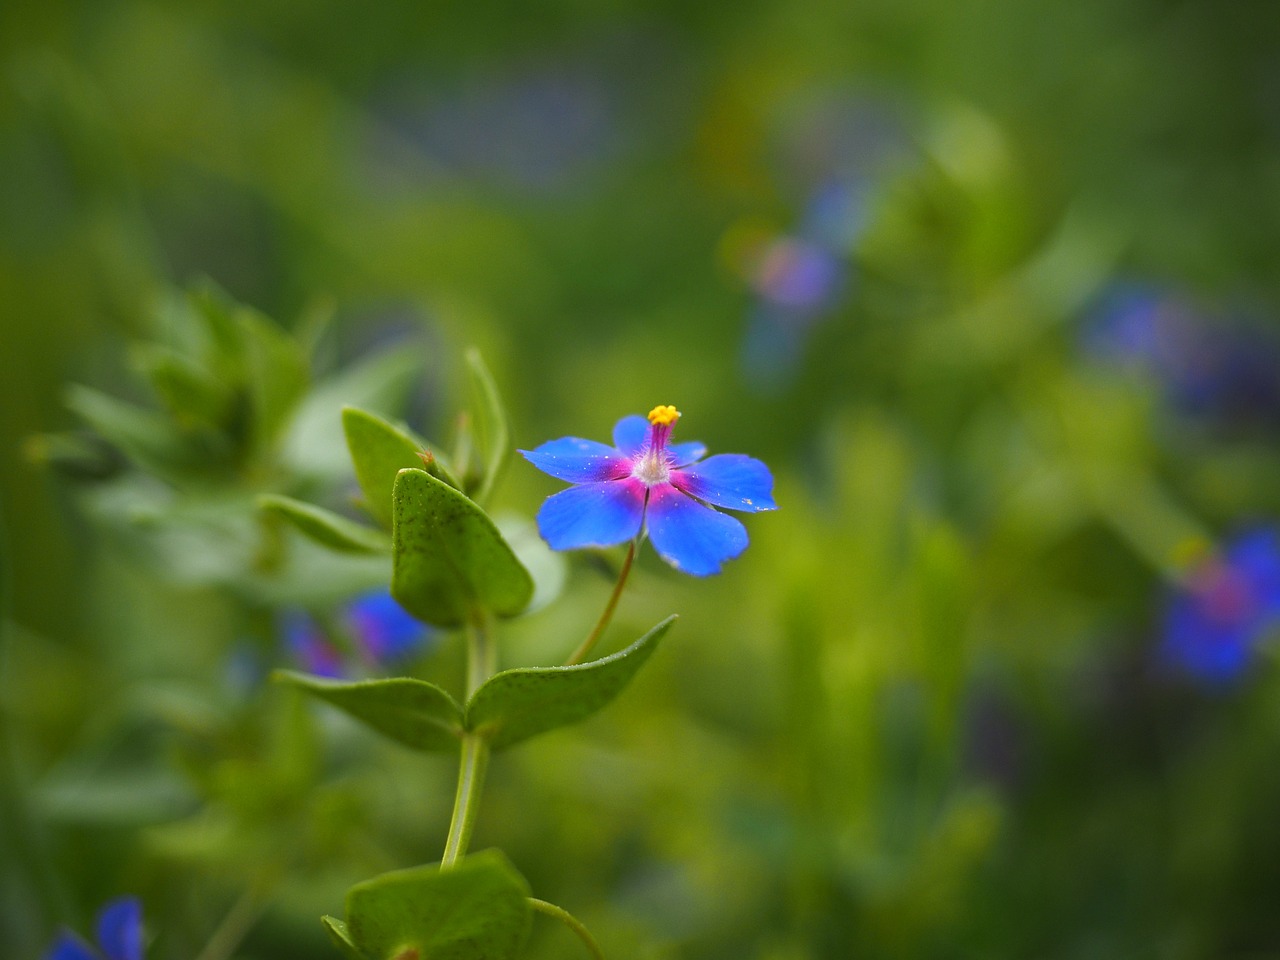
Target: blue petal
{"points": [[593, 515], [385, 630], [579, 461], [120, 929], [70, 947], [630, 434], [683, 454], [1255, 555], [309, 648], [691, 537], [731, 480]]}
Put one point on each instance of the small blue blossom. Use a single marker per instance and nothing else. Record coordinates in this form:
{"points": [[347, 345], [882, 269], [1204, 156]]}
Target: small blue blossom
{"points": [[384, 630], [310, 648], [800, 277], [1227, 369], [119, 934], [642, 483], [1226, 606]]}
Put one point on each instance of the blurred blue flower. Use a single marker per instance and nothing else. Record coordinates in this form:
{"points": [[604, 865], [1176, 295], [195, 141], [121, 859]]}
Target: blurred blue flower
{"points": [[1227, 604], [383, 629], [308, 647], [800, 277], [642, 483], [119, 934], [1208, 365]]}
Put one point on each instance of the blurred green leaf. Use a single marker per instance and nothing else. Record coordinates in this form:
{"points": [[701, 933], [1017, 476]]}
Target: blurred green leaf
{"points": [[415, 713], [341, 937], [278, 375], [146, 437], [84, 456], [379, 451], [313, 444], [449, 560], [522, 703], [477, 909], [493, 435], [324, 526], [186, 390]]}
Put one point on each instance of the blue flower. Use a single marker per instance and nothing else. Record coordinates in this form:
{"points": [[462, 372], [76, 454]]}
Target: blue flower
{"points": [[119, 932], [642, 483], [1226, 606], [1218, 367], [385, 631], [310, 648]]}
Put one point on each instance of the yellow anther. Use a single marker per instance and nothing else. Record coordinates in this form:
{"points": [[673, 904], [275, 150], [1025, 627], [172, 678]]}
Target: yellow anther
{"points": [[663, 416]]}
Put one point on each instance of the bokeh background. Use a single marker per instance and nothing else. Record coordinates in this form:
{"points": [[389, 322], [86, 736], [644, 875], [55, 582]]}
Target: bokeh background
{"points": [[992, 287]]}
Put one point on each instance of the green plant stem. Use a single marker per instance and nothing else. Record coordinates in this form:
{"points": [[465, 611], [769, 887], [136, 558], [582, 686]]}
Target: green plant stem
{"points": [[581, 653], [244, 913], [570, 921], [475, 748], [466, 803], [480, 652]]}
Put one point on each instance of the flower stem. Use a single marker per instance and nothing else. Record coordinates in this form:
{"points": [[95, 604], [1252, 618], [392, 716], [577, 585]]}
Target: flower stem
{"points": [[570, 921], [480, 653], [466, 803], [475, 748], [243, 915], [581, 653]]}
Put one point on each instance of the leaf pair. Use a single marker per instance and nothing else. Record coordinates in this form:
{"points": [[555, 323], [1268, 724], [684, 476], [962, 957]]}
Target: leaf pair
{"points": [[509, 708]]}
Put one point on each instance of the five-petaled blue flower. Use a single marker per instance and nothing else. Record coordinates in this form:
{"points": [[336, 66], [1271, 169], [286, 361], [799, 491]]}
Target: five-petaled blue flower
{"points": [[119, 932], [1228, 604], [643, 483]]}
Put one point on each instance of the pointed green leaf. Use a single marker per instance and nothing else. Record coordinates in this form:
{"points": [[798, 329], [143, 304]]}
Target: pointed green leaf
{"points": [[492, 431], [413, 712], [341, 937], [477, 909], [146, 437], [380, 450], [449, 560], [186, 390], [381, 382], [324, 526], [518, 704], [278, 375]]}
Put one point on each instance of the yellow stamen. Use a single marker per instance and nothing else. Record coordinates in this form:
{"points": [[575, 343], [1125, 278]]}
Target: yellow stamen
{"points": [[663, 416]]}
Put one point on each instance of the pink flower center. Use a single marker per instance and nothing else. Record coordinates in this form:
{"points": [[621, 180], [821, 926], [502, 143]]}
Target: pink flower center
{"points": [[653, 465]]}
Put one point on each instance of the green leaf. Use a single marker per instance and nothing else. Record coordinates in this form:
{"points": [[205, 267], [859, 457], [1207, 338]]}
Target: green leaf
{"points": [[146, 437], [448, 558], [493, 434], [477, 909], [186, 390], [278, 375], [415, 713], [379, 451], [522, 703], [341, 937], [324, 526], [313, 445]]}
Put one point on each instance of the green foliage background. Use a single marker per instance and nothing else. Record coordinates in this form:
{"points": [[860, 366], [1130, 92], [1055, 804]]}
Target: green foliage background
{"points": [[919, 717]]}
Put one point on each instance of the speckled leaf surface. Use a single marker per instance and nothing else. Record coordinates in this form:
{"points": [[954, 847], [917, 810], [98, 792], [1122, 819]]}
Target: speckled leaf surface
{"points": [[413, 712], [522, 703], [449, 560], [477, 909]]}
